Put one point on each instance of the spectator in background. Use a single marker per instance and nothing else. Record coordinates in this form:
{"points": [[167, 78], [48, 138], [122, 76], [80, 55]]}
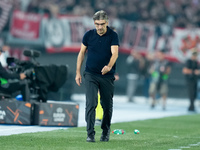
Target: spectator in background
{"points": [[160, 71], [145, 74], [136, 63], [191, 72], [5, 55], [174, 13], [24, 4], [33, 6]]}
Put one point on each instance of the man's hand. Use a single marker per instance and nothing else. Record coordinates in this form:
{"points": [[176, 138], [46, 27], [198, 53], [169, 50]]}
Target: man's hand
{"points": [[105, 70], [187, 71], [78, 79], [22, 76]]}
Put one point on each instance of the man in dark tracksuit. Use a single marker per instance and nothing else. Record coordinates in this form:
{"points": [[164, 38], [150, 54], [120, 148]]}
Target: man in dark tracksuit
{"points": [[191, 70], [101, 45], [9, 85]]}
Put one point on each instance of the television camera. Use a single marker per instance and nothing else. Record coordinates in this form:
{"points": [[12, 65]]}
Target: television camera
{"points": [[42, 79], [19, 66]]}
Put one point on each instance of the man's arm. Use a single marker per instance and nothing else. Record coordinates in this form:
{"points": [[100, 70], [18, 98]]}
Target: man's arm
{"points": [[114, 51], [7, 75], [186, 71], [80, 59], [168, 70]]}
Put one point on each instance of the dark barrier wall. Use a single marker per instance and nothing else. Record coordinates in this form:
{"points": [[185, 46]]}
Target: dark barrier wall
{"points": [[54, 114], [44, 114], [15, 112], [177, 88]]}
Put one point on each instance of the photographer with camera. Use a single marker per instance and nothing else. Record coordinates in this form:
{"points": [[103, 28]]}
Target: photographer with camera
{"points": [[13, 82]]}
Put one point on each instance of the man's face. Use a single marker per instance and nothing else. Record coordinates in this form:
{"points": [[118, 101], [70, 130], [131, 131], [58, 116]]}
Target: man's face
{"points": [[160, 55], [194, 56], [101, 26]]}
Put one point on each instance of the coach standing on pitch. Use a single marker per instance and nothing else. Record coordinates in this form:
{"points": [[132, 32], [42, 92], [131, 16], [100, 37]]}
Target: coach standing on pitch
{"points": [[101, 45]]}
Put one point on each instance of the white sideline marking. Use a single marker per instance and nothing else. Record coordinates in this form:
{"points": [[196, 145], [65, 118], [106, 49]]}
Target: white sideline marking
{"points": [[185, 147], [181, 147], [14, 129], [175, 136], [194, 144], [122, 108]]}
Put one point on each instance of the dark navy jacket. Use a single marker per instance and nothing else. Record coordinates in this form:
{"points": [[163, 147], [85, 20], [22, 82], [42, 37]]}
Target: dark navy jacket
{"points": [[99, 51]]}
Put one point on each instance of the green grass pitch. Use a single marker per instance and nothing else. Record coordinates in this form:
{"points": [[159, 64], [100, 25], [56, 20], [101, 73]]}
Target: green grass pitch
{"points": [[170, 133]]}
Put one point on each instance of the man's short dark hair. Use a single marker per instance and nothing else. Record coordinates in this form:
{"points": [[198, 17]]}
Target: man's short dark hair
{"points": [[163, 50], [194, 51], [1, 50], [100, 15]]}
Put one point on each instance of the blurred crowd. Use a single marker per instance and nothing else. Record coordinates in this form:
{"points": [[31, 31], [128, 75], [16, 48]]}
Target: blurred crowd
{"points": [[178, 13]]}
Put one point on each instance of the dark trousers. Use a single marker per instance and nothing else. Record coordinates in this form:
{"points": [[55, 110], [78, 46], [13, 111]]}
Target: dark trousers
{"points": [[14, 86], [105, 86], [146, 85], [192, 91]]}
